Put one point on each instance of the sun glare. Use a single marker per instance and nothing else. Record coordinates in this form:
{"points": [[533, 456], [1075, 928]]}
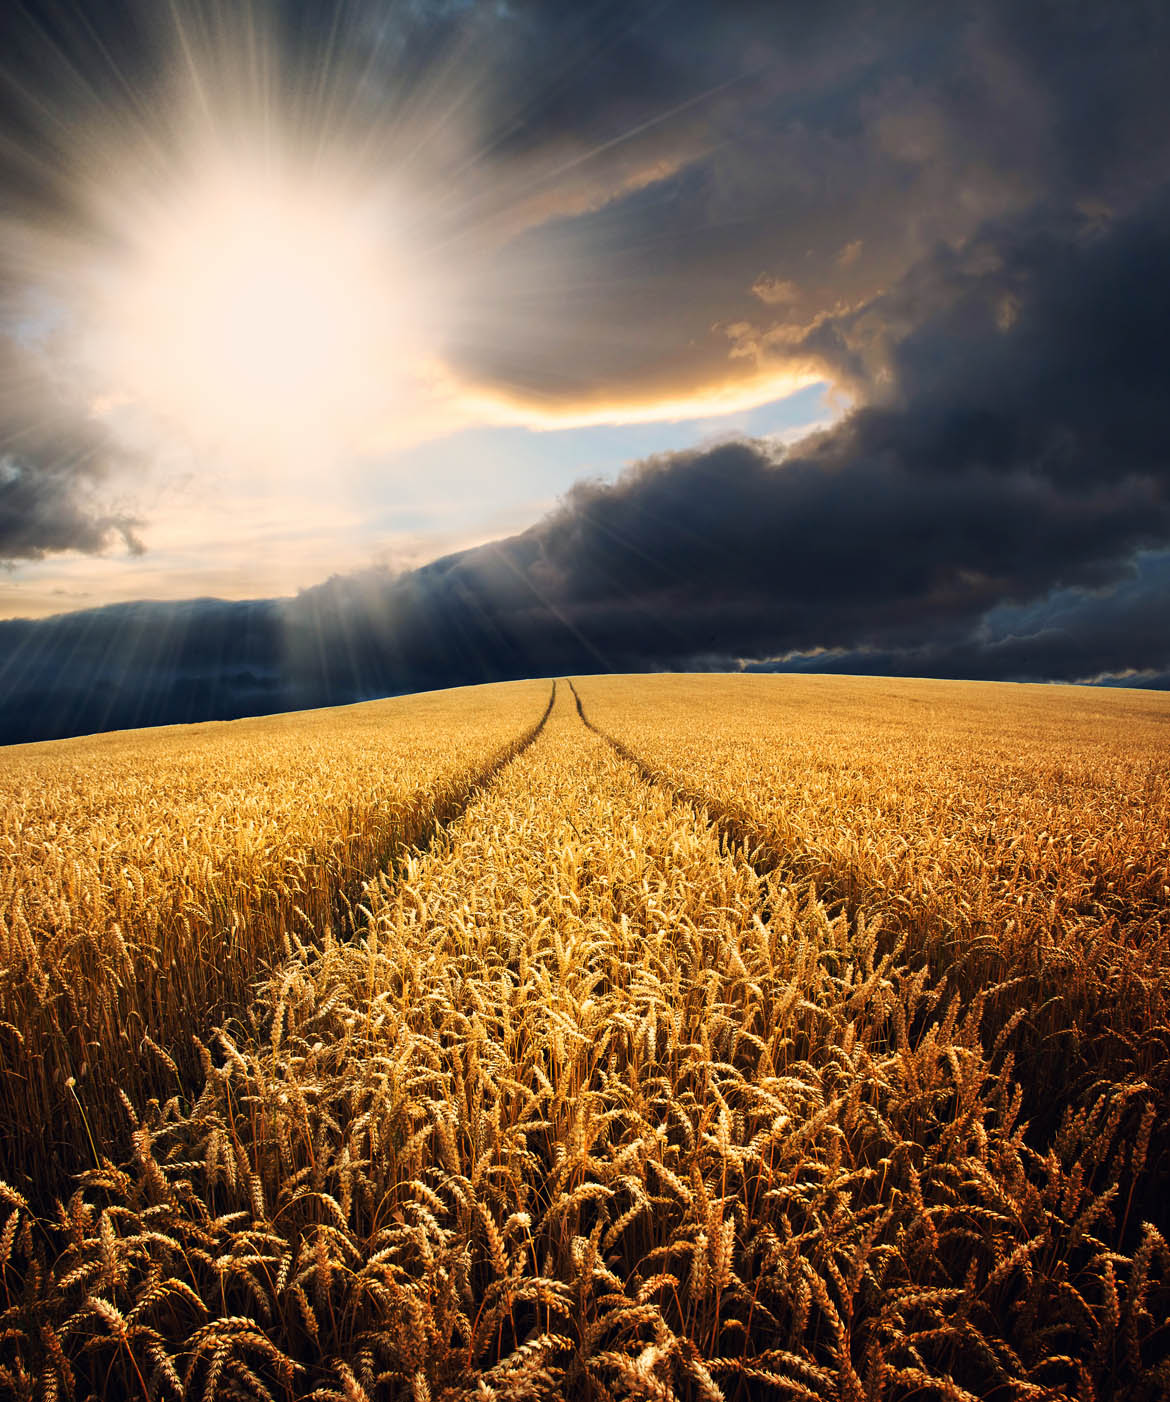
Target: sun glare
{"points": [[262, 304], [259, 316]]}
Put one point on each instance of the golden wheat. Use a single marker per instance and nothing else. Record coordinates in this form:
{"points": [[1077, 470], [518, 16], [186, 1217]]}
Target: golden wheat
{"points": [[150, 877], [598, 1097], [1017, 836]]}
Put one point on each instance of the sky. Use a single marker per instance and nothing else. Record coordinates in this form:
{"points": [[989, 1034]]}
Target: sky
{"points": [[353, 348]]}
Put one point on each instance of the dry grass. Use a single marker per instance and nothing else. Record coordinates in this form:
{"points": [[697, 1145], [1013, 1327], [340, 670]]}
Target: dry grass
{"points": [[593, 1104]]}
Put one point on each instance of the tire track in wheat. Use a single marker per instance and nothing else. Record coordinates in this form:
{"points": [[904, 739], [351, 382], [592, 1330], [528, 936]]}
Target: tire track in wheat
{"points": [[738, 833], [119, 940]]}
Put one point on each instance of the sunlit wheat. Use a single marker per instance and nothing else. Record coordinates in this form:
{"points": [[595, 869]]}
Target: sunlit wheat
{"points": [[606, 1091]]}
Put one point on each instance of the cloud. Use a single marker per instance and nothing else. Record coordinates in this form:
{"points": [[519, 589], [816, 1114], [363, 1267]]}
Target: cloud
{"points": [[139, 664], [53, 460], [607, 181], [1115, 636], [603, 184], [653, 572], [850, 146], [775, 291]]}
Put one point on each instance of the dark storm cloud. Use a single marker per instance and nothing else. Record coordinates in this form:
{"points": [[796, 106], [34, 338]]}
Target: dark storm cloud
{"points": [[849, 144], [1015, 441], [646, 574], [1040, 344], [138, 664], [53, 458], [1114, 637]]}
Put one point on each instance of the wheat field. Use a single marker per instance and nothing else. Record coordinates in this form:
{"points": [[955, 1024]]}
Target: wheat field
{"points": [[630, 1037]]}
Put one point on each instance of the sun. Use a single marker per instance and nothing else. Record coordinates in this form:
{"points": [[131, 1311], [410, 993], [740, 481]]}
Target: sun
{"points": [[259, 302], [260, 315]]}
